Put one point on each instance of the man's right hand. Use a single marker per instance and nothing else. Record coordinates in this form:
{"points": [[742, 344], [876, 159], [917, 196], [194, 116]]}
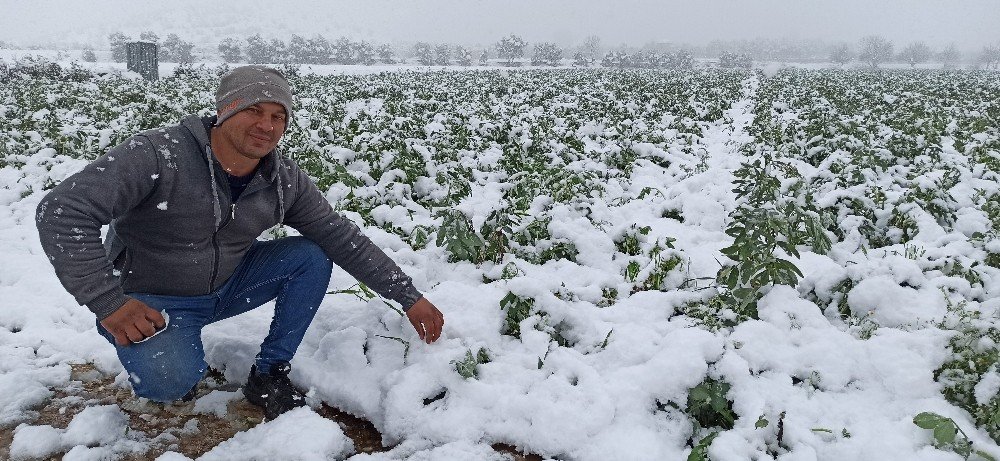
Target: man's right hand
{"points": [[132, 322]]}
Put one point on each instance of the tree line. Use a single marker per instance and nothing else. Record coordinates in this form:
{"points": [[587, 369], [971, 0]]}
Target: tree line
{"points": [[875, 50], [513, 50]]}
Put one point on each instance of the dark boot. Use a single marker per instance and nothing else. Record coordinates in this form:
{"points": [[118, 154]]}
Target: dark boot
{"points": [[273, 392]]}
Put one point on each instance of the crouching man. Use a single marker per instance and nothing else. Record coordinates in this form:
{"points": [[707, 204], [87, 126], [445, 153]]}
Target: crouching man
{"points": [[185, 205]]}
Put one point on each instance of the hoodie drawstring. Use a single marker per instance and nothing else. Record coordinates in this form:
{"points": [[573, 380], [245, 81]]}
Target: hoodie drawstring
{"points": [[216, 205]]}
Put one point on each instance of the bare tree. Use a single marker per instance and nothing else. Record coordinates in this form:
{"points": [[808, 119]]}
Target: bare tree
{"points": [[298, 50], [842, 54], [916, 53], [730, 60], [364, 53], [592, 48], [511, 48], [949, 57], [176, 50], [343, 51], [463, 56], [546, 54], [149, 36], [230, 50], [874, 50], [442, 54], [320, 50], [118, 41], [386, 55], [258, 51], [989, 58], [424, 53], [615, 58], [278, 51]]}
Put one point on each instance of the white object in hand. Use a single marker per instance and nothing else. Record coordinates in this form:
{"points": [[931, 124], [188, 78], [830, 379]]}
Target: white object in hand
{"points": [[166, 323]]}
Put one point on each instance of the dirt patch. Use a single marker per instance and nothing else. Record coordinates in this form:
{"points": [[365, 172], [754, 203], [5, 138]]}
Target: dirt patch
{"points": [[6, 438], [366, 438], [172, 427], [175, 427], [515, 453]]}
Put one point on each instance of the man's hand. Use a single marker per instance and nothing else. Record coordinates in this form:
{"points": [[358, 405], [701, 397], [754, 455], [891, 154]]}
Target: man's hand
{"points": [[426, 319], [132, 322]]}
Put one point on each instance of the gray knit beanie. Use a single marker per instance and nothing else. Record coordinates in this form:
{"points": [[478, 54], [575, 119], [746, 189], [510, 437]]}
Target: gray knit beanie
{"points": [[245, 86]]}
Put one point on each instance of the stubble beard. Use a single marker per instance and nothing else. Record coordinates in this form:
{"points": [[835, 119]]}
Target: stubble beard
{"points": [[253, 148]]}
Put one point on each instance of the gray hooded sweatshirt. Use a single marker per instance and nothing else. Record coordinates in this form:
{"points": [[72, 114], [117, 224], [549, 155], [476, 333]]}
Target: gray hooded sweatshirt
{"points": [[174, 229]]}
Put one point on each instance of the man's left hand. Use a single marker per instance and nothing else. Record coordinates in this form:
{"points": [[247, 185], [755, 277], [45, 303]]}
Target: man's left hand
{"points": [[426, 319]]}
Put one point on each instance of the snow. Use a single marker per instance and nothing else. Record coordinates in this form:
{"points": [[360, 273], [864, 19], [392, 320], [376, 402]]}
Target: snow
{"points": [[35, 441], [216, 402], [799, 360], [988, 387], [96, 425], [447, 452], [96, 433], [893, 305], [299, 434]]}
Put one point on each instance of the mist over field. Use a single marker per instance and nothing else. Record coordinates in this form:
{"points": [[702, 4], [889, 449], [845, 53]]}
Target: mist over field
{"points": [[970, 25]]}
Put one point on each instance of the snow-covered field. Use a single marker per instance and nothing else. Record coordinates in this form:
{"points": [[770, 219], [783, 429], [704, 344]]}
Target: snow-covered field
{"points": [[611, 251]]}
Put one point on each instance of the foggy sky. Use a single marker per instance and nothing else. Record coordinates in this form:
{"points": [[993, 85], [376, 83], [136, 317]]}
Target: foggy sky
{"points": [[969, 24]]}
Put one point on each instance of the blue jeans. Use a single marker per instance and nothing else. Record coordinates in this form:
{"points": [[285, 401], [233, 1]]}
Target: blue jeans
{"points": [[293, 270]]}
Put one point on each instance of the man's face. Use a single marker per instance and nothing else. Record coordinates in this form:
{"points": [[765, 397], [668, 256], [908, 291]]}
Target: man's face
{"points": [[256, 130]]}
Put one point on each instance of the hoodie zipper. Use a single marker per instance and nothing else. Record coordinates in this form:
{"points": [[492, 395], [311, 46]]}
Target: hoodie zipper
{"points": [[217, 250], [222, 225]]}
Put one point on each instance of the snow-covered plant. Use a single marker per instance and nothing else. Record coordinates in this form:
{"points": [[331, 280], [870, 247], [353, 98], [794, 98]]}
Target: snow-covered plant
{"points": [[457, 236], [708, 405], [629, 242], [497, 231], [948, 435], [967, 376], [760, 226], [468, 366], [516, 309]]}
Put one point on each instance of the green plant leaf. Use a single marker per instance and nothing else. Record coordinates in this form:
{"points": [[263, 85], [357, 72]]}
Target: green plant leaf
{"points": [[945, 432], [927, 420], [985, 455], [700, 450]]}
